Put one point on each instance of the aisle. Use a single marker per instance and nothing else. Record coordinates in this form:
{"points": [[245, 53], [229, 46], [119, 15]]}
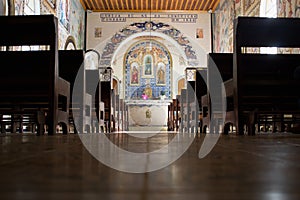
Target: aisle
{"points": [[238, 167]]}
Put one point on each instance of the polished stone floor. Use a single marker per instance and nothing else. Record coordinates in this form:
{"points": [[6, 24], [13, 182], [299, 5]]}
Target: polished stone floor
{"points": [[261, 167]]}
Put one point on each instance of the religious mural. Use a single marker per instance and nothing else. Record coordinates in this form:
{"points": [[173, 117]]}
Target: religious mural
{"points": [[148, 69], [223, 27], [161, 74], [139, 27], [19, 7], [64, 13], [148, 65], [134, 74], [70, 25], [223, 36]]}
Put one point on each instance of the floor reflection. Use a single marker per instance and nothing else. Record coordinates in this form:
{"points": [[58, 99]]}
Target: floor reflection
{"points": [[61, 167]]}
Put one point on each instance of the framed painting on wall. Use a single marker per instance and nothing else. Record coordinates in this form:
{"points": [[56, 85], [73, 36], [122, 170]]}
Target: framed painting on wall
{"points": [[98, 32], [148, 66], [199, 33], [161, 74], [134, 74]]}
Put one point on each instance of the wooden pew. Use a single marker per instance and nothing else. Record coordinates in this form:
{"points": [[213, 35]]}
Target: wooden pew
{"points": [[223, 62], [114, 110], [265, 84], [178, 111], [192, 110], [171, 115], [120, 112], [71, 68], [117, 112], [92, 60], [93, 88], [30, 81], [106, 96], [200, 90], [190, 100], [121, 115], [184, 122]]}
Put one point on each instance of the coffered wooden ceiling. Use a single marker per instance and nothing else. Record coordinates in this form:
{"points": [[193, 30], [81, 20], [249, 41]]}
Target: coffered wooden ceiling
{"points": [[147, 5]]}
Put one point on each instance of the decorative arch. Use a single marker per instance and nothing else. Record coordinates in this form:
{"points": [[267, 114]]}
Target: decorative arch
{"points": [[135, 28], [115, 84], [70, 43], [180, 84], [147, 67]]}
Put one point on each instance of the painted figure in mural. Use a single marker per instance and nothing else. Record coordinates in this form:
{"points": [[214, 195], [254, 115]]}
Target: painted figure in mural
{"points": [[134, 75], [160, 76], [148, 65], [148, 91]]}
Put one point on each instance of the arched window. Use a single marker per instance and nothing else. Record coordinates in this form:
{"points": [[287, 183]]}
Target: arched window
{"points": [[268, 8]]}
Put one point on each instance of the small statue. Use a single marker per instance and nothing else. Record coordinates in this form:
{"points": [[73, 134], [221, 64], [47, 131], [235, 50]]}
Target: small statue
{"points": [[148, 113], [148, 91]]}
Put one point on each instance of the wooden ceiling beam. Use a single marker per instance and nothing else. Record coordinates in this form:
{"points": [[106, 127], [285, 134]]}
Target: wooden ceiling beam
{"points": [[97, 4], [146, 5], [206, 6], [112, 6], [83, 4], [105, 4], [118, 7], [93, 3], [156, 6], [192, 6], [89, 4], [176, 5], [216, 3], [201, 5], [102, 5], [180, 7]]}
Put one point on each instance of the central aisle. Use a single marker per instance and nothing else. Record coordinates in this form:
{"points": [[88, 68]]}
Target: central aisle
{"points": [[239, 167]]}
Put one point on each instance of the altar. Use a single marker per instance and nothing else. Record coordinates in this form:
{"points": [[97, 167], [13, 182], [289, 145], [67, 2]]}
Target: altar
{"points": [[148, 113]]}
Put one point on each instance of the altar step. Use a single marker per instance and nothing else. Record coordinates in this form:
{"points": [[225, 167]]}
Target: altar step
{"points": [[148, 128]]}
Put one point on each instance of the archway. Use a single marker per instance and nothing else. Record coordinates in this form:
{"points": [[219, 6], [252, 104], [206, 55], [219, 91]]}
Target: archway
{"points": [[147, 69]]}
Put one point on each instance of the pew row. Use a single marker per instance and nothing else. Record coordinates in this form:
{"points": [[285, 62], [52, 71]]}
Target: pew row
{"points": [[221, 63], [30, 82], [71, 68], [266, 85]]}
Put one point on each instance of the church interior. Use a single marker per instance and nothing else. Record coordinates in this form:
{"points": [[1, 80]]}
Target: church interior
{"points": [[148, 99]]}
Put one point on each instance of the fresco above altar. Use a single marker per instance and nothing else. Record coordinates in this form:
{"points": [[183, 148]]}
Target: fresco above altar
{"points": [[148, 71]]}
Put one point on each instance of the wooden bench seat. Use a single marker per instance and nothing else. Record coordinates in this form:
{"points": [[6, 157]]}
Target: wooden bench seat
{"points": [[71, 68], [221, 63], [265, 85], [30, 80]]}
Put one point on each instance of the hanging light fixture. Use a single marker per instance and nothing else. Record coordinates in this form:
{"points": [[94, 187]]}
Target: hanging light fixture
{"points": [[149, 26]]}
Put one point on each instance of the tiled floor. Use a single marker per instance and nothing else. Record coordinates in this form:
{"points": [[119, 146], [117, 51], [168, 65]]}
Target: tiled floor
{"points": [[239, 167]]}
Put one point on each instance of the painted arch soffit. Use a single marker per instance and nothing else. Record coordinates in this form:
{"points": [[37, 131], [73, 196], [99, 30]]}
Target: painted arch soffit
{"points": [[136, 28]]}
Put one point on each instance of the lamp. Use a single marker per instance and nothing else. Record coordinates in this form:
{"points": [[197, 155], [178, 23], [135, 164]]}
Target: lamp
{"points": [[149, 26]]}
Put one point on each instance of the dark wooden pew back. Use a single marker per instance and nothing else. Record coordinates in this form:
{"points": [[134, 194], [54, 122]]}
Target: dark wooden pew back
{"points": [[31, 77], [71, 68], [265, 83]]}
